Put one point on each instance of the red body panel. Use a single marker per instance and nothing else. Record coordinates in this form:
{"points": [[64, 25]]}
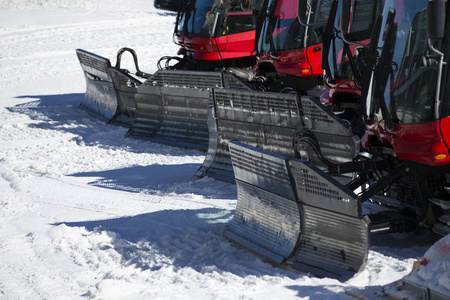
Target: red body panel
{"points": [[314, 56], [445, 131], [230, 46], [419, 142], [296, 62]]}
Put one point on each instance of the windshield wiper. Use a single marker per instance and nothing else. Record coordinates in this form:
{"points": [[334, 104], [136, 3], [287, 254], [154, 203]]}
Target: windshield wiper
{"points": [[383, 70], [356, 74], [272, 8], [189, 15], [329, 35]]}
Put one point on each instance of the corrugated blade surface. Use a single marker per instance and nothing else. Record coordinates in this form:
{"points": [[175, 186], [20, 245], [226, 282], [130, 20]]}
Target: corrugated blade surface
{"points": [[335, 238], [267, 219], [261, 119], [336, 139], [171, 108]]}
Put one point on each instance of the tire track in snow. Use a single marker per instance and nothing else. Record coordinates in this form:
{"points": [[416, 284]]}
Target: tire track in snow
{"points": [[73, 32], [17, 250], [52, 273], [137, 28], [49, 47], [136, 203]]}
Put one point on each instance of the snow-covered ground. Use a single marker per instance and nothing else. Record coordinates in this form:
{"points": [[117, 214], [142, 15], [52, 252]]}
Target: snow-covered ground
{"points": [[88, 213]]}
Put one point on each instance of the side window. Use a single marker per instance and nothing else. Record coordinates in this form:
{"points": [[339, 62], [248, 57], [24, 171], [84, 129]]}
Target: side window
{"points": [[238, 23]]}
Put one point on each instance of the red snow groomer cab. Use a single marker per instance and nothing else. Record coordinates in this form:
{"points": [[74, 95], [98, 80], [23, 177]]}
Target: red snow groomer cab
{"points": [[409, 107], [288, 41], [216, 34]]}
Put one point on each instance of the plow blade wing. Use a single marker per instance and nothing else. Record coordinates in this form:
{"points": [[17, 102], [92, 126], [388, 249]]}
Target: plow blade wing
{"points": [[336, 140], [261, 119], [289, 211], [172, 107], [109, 91], [335, 237]]}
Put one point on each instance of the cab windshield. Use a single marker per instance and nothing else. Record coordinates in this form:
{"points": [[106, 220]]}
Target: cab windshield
{"points": [[198, 17], [405, 81], [281, 29], [192, 19], [339, 55]]}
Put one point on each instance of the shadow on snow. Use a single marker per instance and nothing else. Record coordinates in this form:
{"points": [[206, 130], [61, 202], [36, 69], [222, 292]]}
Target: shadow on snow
{"points": [[187, 238], [179, 179], [192, 239], [65, 113]]}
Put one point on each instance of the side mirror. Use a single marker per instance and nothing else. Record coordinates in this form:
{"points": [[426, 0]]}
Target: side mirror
{"points": [[436, 19], [302, 10], [344, 20]]}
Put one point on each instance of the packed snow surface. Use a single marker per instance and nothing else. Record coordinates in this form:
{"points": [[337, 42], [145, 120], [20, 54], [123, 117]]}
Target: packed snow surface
{"points": [[88, 213]]}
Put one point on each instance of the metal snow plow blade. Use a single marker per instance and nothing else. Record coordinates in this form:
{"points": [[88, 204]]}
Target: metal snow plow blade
{"points": [[410, 289], [335, 138], [261, 119], [172, 106], [109, 90], [274, 122], [289, 211]]}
